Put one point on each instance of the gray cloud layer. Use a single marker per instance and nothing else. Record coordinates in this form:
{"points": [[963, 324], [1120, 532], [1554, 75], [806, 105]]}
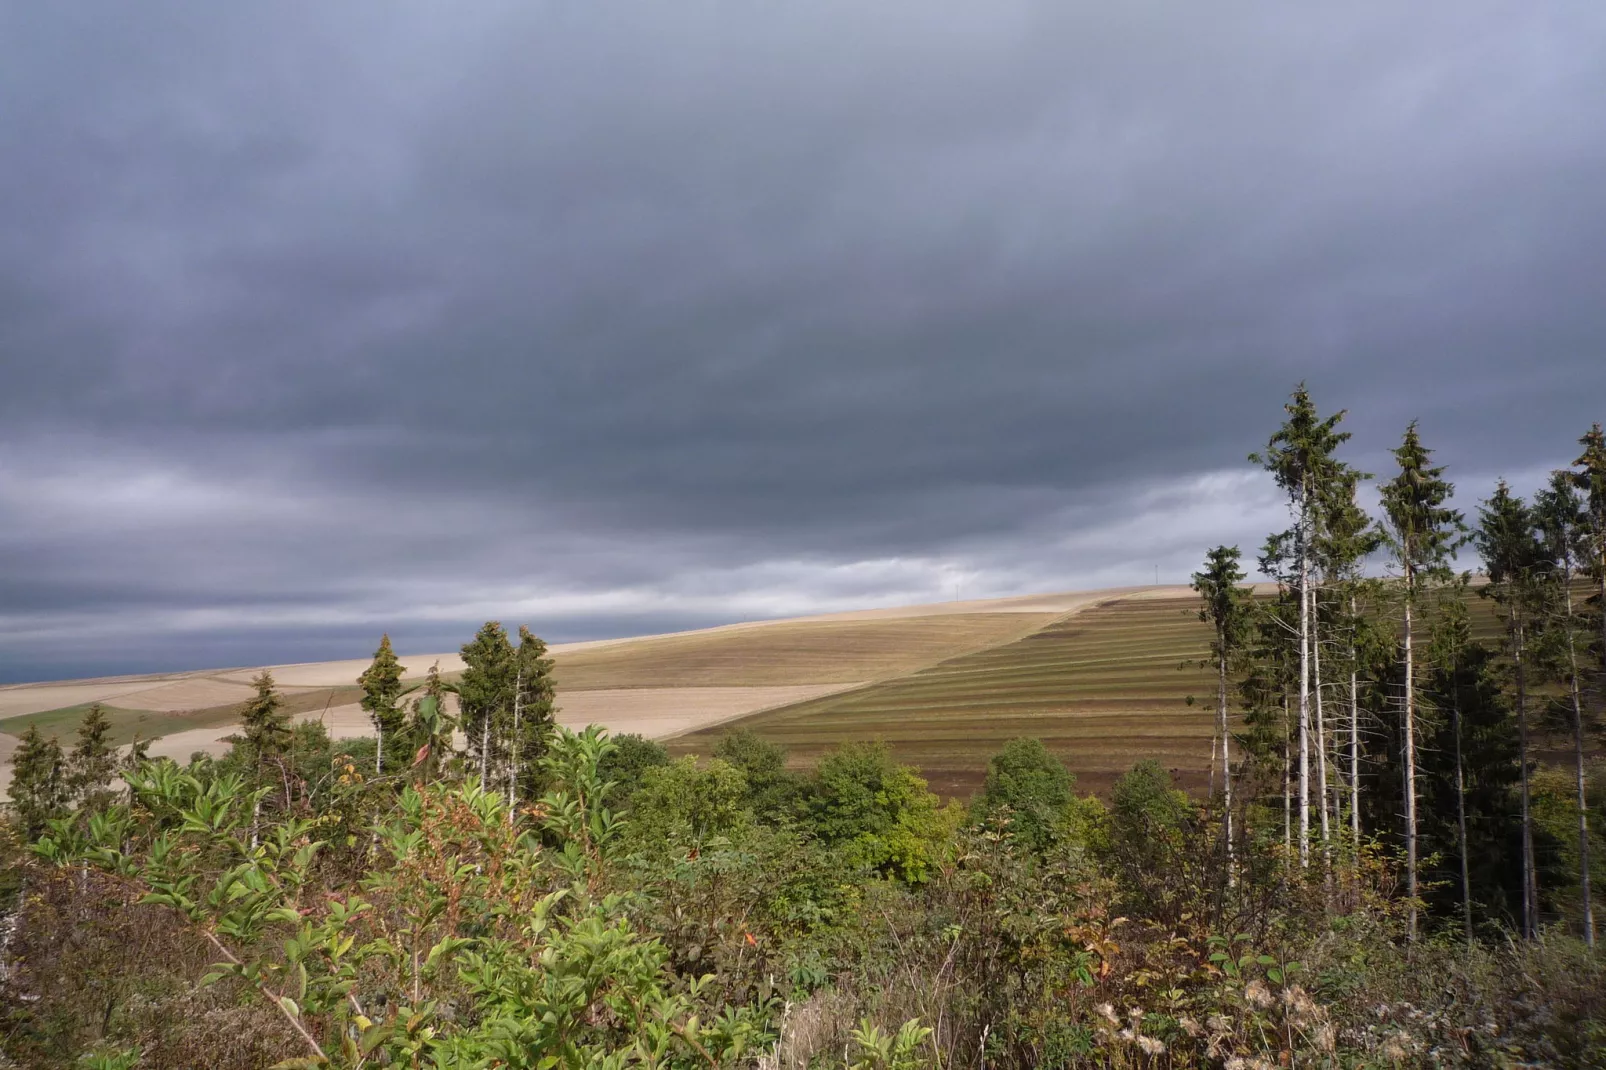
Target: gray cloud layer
{"points": [[319, 320]]}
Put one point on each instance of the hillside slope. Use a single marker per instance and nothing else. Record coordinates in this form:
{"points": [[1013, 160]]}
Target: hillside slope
{"points": [[1101, 688], [655, 685]]}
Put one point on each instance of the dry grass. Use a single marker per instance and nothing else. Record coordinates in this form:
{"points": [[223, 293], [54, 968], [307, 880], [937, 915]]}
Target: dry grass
{"points": [[655, 712], [791, 653]]}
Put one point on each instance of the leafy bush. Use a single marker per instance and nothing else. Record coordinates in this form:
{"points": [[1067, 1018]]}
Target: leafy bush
{"points": [[1028, 791], [878, 814], [211, 917], [626, 766]]}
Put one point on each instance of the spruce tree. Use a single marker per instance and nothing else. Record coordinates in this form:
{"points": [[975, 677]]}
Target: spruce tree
{"points": [[1348, 538], [1518, 572], [92, 765], [1268, 679], [1591, 480], [266, 740], [1227, 610], [1422, 534], [1452, 636], [381, 692], [486, 695], [1560, 518], [1300, 457], [1470, 772], [267, 726], [39, 788], [533, 711]]}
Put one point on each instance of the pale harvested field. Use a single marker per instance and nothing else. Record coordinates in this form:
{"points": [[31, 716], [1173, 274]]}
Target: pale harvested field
{"points": [[792, 653], [8, 746], [645, 711], [197, 693], [20, 699], [344, 673], [664, 711]]}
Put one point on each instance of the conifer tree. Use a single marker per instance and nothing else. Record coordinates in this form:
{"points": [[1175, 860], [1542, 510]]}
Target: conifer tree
{"points": [[1300, 457], [267, 738], [1348, 538], [382, 690], [533, 712], [1268, 680], [1515, 561], [1422, 533], [1591, 480], [1560, 518], [486, 694], [92, 765], [1451, 638], [1469, 776], [1226, 609], [267, 726], [39, 788]]}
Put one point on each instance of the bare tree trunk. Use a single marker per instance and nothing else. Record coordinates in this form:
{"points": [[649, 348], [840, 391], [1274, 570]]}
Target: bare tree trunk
{"points": [[1461, 804], [1410, 757], [513, 750], [1530, 880], [1578, 765], [485, 752], [1354, 736], [1304, 687], [1321, 730], [1226, 754], [379, 746], [1288, 762]]}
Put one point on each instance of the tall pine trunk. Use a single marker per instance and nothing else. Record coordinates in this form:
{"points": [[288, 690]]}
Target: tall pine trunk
{"points": [[485, 752], [1354, 734], [1410, 755], [1530, 880], [513, 748], [1226, 747], [1288, 765], [1461, 804], [1321, 730], [1578, 766], [1304, 682]]}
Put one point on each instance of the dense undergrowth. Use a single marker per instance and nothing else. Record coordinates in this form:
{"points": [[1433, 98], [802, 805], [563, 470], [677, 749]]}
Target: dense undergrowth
{"points": [[632, 911]]}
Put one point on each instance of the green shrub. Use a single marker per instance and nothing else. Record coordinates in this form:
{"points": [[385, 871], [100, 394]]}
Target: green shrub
{"points": [[878, 814], [1028, 792]]}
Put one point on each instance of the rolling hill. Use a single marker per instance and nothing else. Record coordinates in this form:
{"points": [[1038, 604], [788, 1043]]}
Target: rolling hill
{"points": [[1103, 677]]}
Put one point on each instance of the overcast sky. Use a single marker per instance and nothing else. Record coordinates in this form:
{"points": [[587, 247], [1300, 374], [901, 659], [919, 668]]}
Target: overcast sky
{"points": [[319, 320]]}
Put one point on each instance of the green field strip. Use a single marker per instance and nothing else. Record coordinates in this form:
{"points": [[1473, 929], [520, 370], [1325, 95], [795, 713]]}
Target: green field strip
{"points": [[126, 724]]}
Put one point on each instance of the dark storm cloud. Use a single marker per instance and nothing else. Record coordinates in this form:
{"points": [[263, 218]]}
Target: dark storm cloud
{"points": [[341, 318]]}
